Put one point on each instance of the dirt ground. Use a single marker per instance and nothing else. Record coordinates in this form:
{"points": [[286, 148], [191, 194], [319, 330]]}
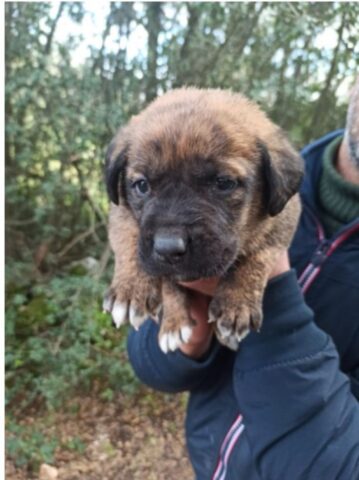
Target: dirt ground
{"points": [[125, 439]]}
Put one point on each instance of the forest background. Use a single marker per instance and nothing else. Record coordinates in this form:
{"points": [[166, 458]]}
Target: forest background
{"points": [[74, 74]]}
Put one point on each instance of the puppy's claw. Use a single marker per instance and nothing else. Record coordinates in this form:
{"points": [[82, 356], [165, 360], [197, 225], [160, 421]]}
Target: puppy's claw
{"points": [[241, 335], [256, 321], [185, 333], [158, 314], [211, 318], [163, 343], [119, 313], [231, 342], [174, 341], [170, 341], [223, 330], [135, 318], [108, 302]]}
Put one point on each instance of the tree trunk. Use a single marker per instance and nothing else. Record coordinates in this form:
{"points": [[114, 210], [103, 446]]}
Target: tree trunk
{"points": [[332, 71], [243, 40], [193, 20], [9, 11], [98, 62], [50, 36], [279, 110], [251, 25], [154, 12]]}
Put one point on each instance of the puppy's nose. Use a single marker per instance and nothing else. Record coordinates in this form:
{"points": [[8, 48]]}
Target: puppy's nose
{"points": [[170, 243]]}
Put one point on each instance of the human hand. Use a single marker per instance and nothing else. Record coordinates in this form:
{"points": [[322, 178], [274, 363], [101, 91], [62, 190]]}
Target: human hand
{"points": [[281, 266], [200, 293], [202, 331]]}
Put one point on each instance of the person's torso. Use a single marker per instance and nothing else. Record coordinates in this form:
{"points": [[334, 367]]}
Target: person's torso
{"points": [[328, 271]]}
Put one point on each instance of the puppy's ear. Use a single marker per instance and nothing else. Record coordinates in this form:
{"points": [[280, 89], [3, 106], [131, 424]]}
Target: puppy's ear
{"points": [[282, 172], [116, 161]]}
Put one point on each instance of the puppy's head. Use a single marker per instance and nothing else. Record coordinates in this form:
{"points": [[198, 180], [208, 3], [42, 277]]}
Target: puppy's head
{"points": [[200, 170]]}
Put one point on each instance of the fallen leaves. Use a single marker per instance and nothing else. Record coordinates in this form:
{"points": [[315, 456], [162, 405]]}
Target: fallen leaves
{"points": [[129, 438]]}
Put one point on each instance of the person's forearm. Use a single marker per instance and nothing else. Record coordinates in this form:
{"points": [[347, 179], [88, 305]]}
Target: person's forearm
{"points": [[300, 416], [174, 371]]}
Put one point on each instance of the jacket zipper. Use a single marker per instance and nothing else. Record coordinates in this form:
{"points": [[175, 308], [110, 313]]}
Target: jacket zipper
{"points": [[324, 250], [314, 265]]}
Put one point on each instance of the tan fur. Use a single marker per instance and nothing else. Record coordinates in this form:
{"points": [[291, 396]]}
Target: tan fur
{"points": [[226, 126], [130, 283]]}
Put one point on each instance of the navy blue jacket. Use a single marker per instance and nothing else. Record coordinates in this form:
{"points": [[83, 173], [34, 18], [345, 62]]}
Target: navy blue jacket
{"points": [[285, 406]]}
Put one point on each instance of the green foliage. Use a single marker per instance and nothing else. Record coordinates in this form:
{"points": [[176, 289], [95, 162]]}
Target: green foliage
{"points": [[58, 341], [29, 446], [75, 444]]}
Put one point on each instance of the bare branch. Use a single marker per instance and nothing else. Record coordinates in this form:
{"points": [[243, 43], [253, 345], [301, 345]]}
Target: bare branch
{"points": [[53, 28], [79, 238]]}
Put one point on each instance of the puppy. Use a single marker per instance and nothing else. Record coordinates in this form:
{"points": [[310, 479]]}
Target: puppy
{"points": [[202, 184]]}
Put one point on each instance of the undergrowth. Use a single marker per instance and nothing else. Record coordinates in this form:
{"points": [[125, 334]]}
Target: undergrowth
{"points": [[58, 344]]}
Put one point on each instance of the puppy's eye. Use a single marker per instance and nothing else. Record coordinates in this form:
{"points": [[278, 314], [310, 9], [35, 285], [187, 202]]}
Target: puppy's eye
{"points": [[226, 184], [141, 186]]}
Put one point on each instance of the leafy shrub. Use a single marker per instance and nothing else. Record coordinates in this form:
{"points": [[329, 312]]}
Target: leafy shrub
{"points": [[28, 446], [59, 341]]}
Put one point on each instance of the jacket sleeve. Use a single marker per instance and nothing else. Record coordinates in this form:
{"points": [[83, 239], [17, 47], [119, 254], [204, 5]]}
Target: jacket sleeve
{"points": [[174, 371], [354, 379], [300, 416], [352, 370]]}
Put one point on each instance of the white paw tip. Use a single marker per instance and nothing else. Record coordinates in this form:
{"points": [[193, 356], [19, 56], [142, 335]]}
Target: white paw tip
{"points": [[241, 336], [170, 341], [174, 341], [224, 331], [119, 314], [107, 305], [163, 343], [186, 333], [232, 343], [136, 320]]}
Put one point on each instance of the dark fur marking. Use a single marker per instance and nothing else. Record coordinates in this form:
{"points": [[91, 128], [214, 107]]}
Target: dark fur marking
{"points": [[115, 175], [279, 186]]}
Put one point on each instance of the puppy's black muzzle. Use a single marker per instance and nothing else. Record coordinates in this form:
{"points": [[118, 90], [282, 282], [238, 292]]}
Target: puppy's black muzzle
{"points": [[184, 234], [170, 244]]}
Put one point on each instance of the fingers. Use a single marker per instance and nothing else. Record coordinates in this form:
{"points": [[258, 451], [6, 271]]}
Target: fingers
{"points": [[198, 307], [206, 286]]}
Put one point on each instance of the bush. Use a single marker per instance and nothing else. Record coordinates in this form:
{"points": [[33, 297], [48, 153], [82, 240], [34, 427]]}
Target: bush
{"points": [[58, 341], [58, 344]]}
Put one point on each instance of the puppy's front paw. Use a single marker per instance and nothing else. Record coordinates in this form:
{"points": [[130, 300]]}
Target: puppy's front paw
{"points": [[132, 306], [233, 320], [173, 333], [117, 309]]}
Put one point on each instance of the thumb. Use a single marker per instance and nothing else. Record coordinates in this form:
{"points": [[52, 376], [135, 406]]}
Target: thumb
{"points": [[198, 310]]}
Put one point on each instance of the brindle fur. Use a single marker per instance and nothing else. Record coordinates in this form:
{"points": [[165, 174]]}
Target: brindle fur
{"points": [[182, 138]]}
